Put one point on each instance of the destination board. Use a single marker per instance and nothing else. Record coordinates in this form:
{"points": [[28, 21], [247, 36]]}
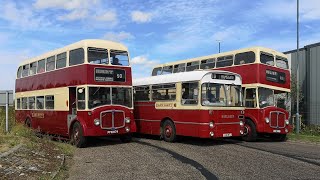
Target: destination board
{"points": [[275, 76], [109, 75], [223, 77]]}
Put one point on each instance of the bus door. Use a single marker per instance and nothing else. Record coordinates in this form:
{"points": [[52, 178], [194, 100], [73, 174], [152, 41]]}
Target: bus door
{"points": [[72, 104]]}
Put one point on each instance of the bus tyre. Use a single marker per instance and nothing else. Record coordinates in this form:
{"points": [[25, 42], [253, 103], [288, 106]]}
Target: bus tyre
{"points": [[126, 138], [279, 137], [28, 123], [250, 132], [168, 131], [77, 138]]}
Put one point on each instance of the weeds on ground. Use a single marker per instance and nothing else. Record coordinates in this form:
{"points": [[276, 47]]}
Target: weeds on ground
{"points": [[310, 133]]}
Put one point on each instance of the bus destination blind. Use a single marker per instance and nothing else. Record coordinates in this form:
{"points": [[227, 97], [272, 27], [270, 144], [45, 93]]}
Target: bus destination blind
{"points": [[223, 77], [109, 75], [275, 76]]}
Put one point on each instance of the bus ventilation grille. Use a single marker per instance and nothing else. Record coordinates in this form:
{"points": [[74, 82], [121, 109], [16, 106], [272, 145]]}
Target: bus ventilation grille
{"points": [[277, 119], [112, 119]]}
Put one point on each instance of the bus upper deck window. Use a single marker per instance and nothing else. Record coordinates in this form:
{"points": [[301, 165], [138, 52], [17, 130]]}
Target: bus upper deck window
{"points": [[224, 61], [267, 58], [282, 62], [207, 64], [76, 56], [191, 66], [19, 73], [98, 56], [167, 70], [157, 71], [61, 60], [244, 58], [179, 68], [33, 68], [25, 70], [119, 57]]}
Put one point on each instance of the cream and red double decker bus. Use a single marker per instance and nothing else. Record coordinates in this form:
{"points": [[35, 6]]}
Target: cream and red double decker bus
{"points": [[78, 91], [266, 81], [205, 104]]}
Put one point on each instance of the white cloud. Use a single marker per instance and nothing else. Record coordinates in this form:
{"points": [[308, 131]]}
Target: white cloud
{"points": [[141, 17], [107, 16], [65, 4], [119, 37], [143, 61], [23, 17], [142, 66], [74, 15], [287, 9]]}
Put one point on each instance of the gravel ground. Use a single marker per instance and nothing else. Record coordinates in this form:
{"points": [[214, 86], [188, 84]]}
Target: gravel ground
{"points": [[191, 158]]}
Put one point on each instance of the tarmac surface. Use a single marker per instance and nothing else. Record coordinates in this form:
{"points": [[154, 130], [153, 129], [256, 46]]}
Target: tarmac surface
{"points": [[192, 158]]}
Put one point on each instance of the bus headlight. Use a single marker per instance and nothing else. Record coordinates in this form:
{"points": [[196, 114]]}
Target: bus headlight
{"points": [[96, 122], [211, 124], [127, 120], [211, 134], [241, 123], [287, 122], [127, 129], [267, 120]]}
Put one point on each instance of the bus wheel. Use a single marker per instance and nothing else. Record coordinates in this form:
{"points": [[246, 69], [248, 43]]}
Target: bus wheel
{"points": [[28, 123], [169, 131], [250, 132], [77, 137], [279, 137], [126, 138]]}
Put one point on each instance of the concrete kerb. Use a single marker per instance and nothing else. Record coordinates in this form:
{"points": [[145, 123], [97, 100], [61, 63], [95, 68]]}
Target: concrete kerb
{"points": [[61, 165], [10, 151]]}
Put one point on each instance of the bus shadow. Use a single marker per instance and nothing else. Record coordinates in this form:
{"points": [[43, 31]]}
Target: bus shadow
{"points": [[189, 140], [103, 141]]}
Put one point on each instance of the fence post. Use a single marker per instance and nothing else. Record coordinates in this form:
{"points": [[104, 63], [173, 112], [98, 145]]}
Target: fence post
{"points": [[7, 111]]}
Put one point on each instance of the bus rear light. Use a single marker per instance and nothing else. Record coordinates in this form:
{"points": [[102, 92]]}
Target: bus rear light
{"points": [[211, 134], [127, 129], [211, 124], [267, 120], [96, 122], [287, 122], [127, 120]]}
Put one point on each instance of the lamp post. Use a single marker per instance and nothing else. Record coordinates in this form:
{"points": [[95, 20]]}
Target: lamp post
{"points": [[297, 90], [219, 41]]}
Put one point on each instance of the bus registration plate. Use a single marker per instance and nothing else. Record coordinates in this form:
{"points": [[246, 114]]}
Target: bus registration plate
{"points": [[227, 134], [112, 132], [277, 131]]}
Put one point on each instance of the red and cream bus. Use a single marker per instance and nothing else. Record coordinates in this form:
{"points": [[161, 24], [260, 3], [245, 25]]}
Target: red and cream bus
{"points": [[266, 82], [78, 91], [205, 104]]}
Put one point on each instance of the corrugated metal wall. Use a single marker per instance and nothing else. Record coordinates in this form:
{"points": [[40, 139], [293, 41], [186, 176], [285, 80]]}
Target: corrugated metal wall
{"points": [[309, 74], [314, 84]]}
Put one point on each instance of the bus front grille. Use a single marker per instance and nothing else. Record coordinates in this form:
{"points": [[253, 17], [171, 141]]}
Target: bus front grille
{"points": [[112, 119], [277, 119]]}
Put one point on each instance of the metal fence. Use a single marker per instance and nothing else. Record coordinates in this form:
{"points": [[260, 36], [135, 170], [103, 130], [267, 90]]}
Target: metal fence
{"points": [[6, 100]]}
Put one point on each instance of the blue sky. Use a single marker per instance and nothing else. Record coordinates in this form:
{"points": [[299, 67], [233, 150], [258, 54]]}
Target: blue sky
{"points": [[155, 31]]}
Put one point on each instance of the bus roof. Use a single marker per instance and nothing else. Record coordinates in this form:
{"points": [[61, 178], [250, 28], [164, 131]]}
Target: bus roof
{"points": [[254, 48], [83, 43], [179, 77]]}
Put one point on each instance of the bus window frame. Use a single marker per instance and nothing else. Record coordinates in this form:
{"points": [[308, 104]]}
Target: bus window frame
{"points": [[163, 84], [149, 94], [214, 62], [198, 98], [267, 54], [255, 99]]}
